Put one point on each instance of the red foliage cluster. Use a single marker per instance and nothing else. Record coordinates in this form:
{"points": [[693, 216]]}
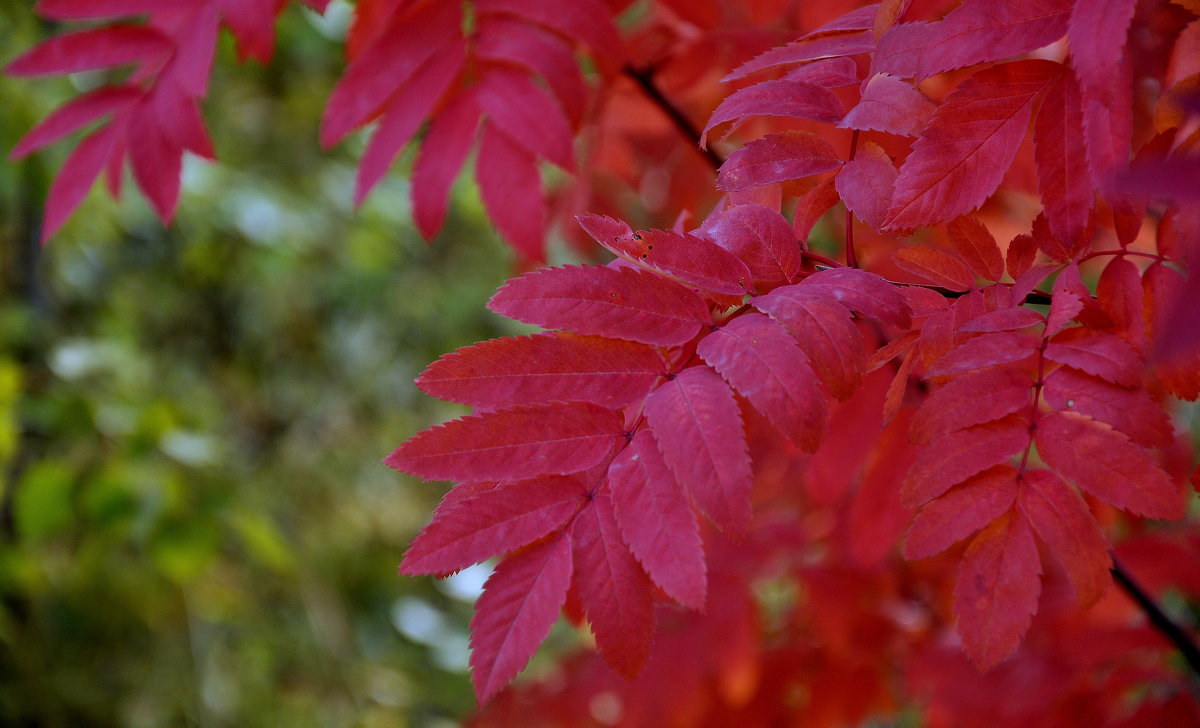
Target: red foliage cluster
{"points": [[716, 450]]}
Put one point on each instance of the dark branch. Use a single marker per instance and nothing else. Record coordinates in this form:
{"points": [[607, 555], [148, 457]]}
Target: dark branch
{"points": [[1173, 632], [645, 80]]}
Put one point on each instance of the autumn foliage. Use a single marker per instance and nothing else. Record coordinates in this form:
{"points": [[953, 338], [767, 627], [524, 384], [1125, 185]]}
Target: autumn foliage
{"points": [[856, 417]]}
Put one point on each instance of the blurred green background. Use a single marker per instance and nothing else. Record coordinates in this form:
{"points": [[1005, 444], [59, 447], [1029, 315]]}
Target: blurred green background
{"points": [[195, 525]]}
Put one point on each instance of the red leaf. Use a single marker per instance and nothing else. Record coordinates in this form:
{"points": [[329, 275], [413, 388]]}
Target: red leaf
{"points": [[404, 114], [806, 49], [493, 521], [510, 444], [1022, 252], [977, 247], [410, 38], [618, 302], [777, 98], [588, 21], [526, 114], [935, 266], [984, 351], [542, 368], [75, 178], [1172, 328], [971, 400], [815, 203], [506, 40], [95, 9], [696, 421], [983, 30], [443, 152], [776, 158], [657, 521], [1119, 294], [1095, 352], [1063, 177], [1097, 31], [1065, 524], [1108, 136], [1105, 463], [86, 50], [962, 155], [823, 328], [891, 105], [519, 605], [997, 590], [1064, 305], [156, 161], [687, 258], [862, 292], [865, 184], [1005, 319], [828, 72], [763, 364], [760, 237], [953, 458], [613, 588], [1129, 410], [961, 512], [74, 115], [511, 188]]}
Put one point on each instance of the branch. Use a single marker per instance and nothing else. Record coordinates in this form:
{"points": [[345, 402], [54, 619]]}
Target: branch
{"points": [[1173, 632], [688, 130]]}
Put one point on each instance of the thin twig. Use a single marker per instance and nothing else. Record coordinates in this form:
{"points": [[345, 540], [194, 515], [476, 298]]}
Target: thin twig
{"points": [[1172, 631], [645, 80]]}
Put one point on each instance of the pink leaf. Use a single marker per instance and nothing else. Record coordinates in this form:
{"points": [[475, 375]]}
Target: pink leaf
{"points": [[613, 588], [618, 302], [977, 247], [961, 512], [410, 38], [1065, 524], [814, 204], [827, 72], [763, 364], [962, 155], [526, 114], [155, 160], [864, 293], [1105, 463], [443, 152], [657, 521], [891, 105], [75, 178], [511, 444], [761, 238], [777, 158], [519, 605], [404, 114], [511, 187], [696, 421], [953, 458], [493, 521], [587, 20], [984, 351], [86, 50], [1005, 319], [542, 368], [95, 9], [997, 590], [1129, 410], [865, 184], [935, 266], [823, 328], [807, 49], [970, 400], [687, 258], [1095, 352], [777, 98], [1097, 31], [74, 115], [507, 40], [1061, 157]]}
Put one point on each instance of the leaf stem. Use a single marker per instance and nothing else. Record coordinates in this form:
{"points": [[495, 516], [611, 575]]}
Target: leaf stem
{"points": [[851, 258], [1121, 251], [645, 80], [1164, 624]]}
